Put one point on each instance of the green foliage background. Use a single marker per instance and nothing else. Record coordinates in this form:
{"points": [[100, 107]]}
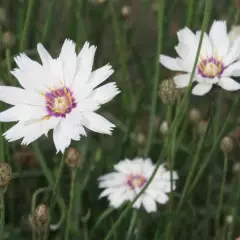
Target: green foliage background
{"points": [[131, 43]]}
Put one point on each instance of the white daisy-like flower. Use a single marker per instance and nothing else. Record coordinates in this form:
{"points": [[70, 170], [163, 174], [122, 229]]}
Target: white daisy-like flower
{"points": [[234, 33], [61, 94], [218, 59], [130, 177]]}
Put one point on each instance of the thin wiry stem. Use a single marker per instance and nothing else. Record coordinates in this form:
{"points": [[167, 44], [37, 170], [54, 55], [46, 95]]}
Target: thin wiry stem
{"points": [[156, 77], [26, 25], [54, 194], [71, 198], [2, 213]]}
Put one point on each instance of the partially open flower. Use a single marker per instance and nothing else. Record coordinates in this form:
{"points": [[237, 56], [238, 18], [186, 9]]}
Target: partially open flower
{"points": [[41, 217], [226, 144], [5, 175], [168, 91]]}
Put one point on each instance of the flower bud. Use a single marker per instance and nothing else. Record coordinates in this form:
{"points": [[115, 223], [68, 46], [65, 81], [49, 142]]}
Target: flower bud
{"points": [[41, 217], [194, 115], [229, 219], [226, 144], [164, 129], [73, 158], [140, 138], [8, 39], [202, 127], [236, 168], [168, 91], [126, 11], [5, 175]]}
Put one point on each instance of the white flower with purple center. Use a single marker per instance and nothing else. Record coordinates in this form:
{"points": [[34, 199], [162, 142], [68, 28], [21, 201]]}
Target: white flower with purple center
{"points": [[61, 94], [129, 179], [217, 63]]}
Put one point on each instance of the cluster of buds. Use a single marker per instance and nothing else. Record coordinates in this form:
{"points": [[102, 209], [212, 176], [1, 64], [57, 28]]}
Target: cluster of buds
{"points": [[41, 217], [168, 91]]}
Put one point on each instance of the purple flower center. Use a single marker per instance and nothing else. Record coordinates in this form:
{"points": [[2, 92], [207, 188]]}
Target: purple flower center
{"points": [[210, 67], [59, 102], [136, 181]]}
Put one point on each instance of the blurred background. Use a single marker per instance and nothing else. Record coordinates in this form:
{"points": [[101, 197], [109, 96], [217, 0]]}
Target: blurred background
{"points": [[126, 34]]}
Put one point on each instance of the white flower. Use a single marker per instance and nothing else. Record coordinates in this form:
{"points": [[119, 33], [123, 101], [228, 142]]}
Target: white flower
{"points": [[218, 59], [234, 33], [61, 94], [128, 180]]}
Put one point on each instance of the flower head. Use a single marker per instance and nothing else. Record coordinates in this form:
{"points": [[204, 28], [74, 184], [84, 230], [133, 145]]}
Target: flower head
{"points": [[217, 62], [61, 94], [128, 180]]}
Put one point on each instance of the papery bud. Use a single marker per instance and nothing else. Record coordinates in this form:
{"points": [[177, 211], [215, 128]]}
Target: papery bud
{"points": [[164, 128], [229, 219], [226, 144], [202, 127], [126, 11], [236, 168], [140, 138], [168, 91], [8, 39], [194, 115], [41, 217], [5, 175], [73, 158]]}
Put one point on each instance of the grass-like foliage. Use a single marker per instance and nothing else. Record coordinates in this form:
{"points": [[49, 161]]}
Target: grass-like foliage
{"points": [[190, 189]]}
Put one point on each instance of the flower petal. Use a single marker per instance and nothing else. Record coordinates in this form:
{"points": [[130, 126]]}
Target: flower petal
{"points": [[14, 96], [232, 70], [100, 75], [149, 204], [60, 138], [44, 55], [84, 66], [201, 89], [97, 123], [169, 63], [228, 84], [219, 37], [233, 53], [104, 93], [69, 58], [22, 112], [182, 80]]}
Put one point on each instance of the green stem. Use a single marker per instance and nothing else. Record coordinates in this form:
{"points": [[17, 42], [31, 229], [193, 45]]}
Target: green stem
{"points": [[156, 77], [190, 12], [132, 224], [191, 172], [48, 21], [219, 209], [54, 194], [215, 145], [2, 213], [8, 63], [101, 218], [26, 25], [71, 199], [127, 209]]}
